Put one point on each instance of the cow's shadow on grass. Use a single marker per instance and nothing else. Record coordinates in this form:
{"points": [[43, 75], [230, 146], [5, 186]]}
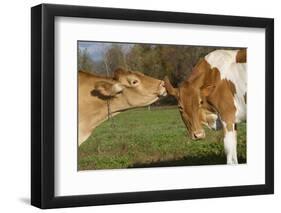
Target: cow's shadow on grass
{"points": [[188, 161]]}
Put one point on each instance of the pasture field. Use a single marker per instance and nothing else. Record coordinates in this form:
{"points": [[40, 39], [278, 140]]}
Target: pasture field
{"points": [[152, 138]]}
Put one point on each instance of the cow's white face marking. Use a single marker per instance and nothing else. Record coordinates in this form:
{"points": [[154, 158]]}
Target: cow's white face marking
{"points": [[230, 144]]}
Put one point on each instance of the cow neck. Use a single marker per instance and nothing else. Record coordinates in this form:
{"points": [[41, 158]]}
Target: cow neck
{"points": [[109, 113], [112, 108], [115, 103]]}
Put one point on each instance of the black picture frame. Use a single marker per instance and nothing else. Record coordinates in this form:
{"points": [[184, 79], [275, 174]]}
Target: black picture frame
{"points": [[43, 102]]}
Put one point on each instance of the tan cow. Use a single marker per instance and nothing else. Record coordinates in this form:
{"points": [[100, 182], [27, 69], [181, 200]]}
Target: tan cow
{"points": [[216, 89], [101, 97]]}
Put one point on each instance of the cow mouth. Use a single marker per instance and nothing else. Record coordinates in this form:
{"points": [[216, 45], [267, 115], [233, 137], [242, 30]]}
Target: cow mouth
{"points": [[161, 93], [198, 135], [162, 89], [156, 96]]}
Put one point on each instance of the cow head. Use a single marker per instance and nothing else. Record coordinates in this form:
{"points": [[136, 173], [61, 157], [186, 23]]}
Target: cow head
{"points": [[192, 107], [133, 88]]}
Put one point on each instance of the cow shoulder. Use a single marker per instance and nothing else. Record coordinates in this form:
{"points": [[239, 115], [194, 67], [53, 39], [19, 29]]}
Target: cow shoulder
{"points": [[222, 98], [200, 73]]}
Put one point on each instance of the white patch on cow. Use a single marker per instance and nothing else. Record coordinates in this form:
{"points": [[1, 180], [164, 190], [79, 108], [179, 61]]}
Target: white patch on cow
{"points": [[213, 125], [225, 62], [230, 145], [241, 109], [221, 59], [238, 76]]}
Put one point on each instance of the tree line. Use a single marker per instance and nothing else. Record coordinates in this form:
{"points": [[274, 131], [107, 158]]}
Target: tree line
{"points": [[174, 61]]}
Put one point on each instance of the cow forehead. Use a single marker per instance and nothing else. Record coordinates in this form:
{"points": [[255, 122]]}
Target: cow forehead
{"points": [[134, 74], [188, 99]]}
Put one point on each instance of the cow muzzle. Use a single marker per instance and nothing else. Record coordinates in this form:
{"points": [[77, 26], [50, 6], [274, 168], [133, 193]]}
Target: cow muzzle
{"points": [[162, 89], [200, 134]]}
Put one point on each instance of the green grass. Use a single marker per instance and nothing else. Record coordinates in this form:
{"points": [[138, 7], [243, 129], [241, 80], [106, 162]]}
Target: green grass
{"points": [[143, 138]]}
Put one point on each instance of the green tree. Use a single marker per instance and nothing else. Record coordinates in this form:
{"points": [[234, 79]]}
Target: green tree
{"points": [[84, 61], [114, 58]]}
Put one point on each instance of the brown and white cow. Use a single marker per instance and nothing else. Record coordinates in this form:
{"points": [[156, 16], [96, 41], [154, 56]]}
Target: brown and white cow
{"points": [[216, 89], [101, 97]]}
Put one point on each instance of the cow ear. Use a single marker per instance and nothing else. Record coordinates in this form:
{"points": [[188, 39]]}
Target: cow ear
{"points": [[170, 89], [207, 90], [108, 89]]}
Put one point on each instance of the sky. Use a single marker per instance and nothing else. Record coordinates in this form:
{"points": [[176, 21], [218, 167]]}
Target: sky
{"points": [[98, 49]]}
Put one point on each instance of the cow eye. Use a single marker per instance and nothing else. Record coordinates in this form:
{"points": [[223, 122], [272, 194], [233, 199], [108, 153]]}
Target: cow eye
{"points": [[135, 81]]}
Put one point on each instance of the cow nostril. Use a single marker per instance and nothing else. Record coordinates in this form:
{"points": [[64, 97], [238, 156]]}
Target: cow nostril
{"points": [[199, 135], [194, 137]]}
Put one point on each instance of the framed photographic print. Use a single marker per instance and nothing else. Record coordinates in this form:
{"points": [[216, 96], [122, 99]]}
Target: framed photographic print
{"points": [[139, 106]]}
